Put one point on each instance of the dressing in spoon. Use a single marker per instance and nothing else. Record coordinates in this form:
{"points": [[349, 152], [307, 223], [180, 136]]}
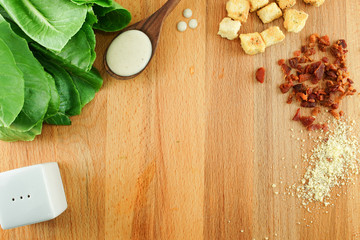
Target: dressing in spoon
{"points": [[132, 50]]}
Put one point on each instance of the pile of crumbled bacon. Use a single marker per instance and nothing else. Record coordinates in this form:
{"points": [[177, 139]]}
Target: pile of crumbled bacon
{"points": [[316, 84]]}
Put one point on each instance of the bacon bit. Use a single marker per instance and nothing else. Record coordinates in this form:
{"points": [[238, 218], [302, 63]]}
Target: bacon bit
{"points": [[286, 69], [310, 104], [331, 75], [260, 75], [297, 115], [285, 87], [302, 60], [311, 45], [341, 113], [322, 47], [330, 82], [335, 114], [309, 52], [315, 127], [325, 40], [293, 62], [315, 111], [313, 37], [312, 67], [319, 72], [297, 53], [290, 99], [303, 49], [281, 62], [341, 89], [294, 78], [302, 96], [335, 106], [307, 121], [342, 43], [304, 77], [300, 88], [325, 127]]}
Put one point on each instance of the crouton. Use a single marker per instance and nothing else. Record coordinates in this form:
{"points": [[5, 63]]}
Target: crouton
{"points": [[272, 36], [252, 43], [257, 4], [316, 3], [283, 4], [229, 29], [238, 9], [294, 20], [269, 13]]}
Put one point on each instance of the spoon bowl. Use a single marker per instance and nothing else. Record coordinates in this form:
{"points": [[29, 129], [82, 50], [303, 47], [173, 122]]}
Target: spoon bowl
{"points": [[151, 26]]}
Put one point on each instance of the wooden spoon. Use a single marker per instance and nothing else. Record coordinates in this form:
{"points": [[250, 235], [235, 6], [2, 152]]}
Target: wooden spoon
{"points": [[151, 26]]}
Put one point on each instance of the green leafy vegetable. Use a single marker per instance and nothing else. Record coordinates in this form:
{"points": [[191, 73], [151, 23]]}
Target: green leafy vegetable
{"points": [[37, 94], [50, 24], [11, 87], [111, 19], [79, 51], [10, 135], [54, 103], [104, 3], [87, 84], [69, 96], [91, 17], [59, 119]]}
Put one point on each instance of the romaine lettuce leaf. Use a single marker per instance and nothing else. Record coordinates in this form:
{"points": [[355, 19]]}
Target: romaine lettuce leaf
{"points": [[79, 51], [54, 103], [10, 135], [87, 84], [90, 17], [69, 96], [37, 93], [11, 86], [104, 3], [59, 119], [111, 19], [50, 24]]}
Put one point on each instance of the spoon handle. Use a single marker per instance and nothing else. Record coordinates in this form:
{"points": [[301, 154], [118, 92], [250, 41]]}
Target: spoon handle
{"points": [[169, 6], [152, 25]]}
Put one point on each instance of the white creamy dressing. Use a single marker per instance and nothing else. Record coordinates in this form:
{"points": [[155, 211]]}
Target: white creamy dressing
{"points": [[181, 26], [129, 53], [187, 13], [193, 23]]}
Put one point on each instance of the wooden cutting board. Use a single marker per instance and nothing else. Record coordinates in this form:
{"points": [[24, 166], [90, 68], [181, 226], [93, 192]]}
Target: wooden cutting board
{"points": [[190, 149]]}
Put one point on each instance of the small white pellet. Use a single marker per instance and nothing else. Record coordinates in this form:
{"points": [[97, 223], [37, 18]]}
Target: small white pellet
{"points": [[187, 13], [181, 26], [193, 23]]}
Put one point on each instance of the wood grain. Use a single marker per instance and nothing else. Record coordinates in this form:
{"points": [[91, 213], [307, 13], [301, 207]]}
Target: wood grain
{"points": [[189, 149]]}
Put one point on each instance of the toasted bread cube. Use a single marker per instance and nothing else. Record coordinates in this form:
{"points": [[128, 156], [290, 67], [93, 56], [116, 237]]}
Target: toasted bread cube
{"points": [[283, 4], [238, 9], [294, 20], [257, 4], [316, 3], [229, 29], [272, 36], [252, 43], [269, 13]]}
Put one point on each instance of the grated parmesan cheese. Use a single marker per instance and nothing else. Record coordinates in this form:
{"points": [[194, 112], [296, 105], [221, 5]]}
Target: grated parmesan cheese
{"points": [[332, 162]]}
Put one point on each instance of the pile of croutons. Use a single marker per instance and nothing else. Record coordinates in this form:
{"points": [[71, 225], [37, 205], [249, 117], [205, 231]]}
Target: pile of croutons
{"points": [[253, 43]]}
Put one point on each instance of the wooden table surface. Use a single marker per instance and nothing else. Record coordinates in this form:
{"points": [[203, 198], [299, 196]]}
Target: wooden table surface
{"points": [[191, 147]]}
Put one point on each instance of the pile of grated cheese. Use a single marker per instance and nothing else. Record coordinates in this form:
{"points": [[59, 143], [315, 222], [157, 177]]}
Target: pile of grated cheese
{"points": [[332, 163]]}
